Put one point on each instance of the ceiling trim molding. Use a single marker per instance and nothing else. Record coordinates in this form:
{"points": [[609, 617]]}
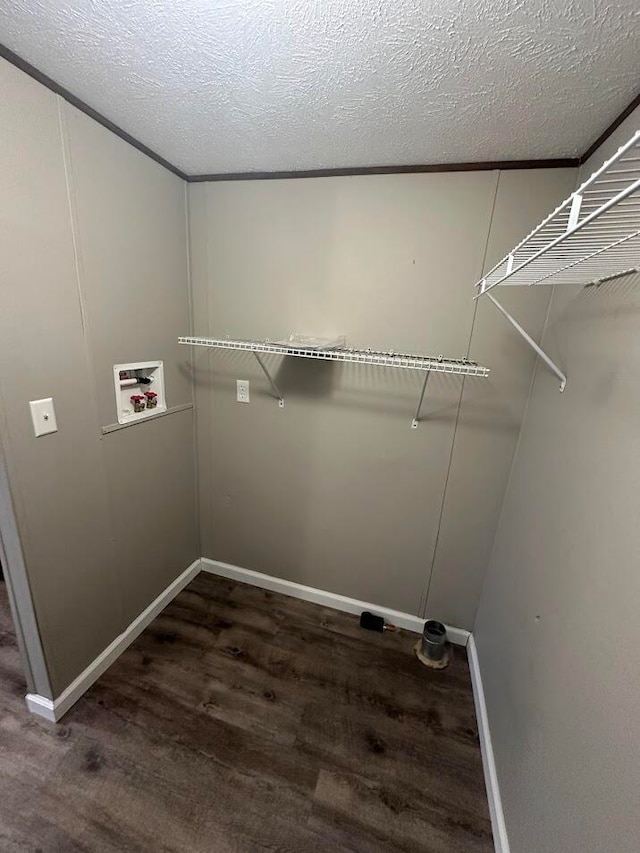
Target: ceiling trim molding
{"points": [[484, 166], [29, 69], [551, 163], [615, 124]]}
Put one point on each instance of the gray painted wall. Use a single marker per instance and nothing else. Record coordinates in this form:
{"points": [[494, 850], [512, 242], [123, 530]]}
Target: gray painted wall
{"points": [[557, 628], [93, 272], [335, 490], [130, 217]]}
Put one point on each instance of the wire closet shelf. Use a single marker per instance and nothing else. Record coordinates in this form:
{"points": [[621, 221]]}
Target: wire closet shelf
{"points": [[426, 364], [594, 235], [389, 358]]}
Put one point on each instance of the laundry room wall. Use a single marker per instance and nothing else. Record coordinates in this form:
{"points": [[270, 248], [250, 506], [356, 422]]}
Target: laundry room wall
{"points": [[93, 272], [335, 490], [557, 628]]}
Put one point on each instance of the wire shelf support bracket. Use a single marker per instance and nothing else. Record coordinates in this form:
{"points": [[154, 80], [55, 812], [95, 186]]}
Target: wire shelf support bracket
{"points": [[416, 417], [527, 337], [274, 387], [407, 361]]}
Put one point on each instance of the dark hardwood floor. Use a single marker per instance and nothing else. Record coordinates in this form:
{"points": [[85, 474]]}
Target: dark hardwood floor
{"points": [[242, 720]]}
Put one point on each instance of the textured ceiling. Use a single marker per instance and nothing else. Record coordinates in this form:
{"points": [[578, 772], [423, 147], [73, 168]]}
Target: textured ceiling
{"points": [[244, 85]]}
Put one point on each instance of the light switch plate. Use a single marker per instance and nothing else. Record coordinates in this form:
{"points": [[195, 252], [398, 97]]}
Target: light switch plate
{"points": [[43, 416]]}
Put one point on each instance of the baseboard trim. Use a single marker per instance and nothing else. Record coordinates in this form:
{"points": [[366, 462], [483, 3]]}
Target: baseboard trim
{"points": [[41, 706], [500, 838], [327, 599], [54, 710]]}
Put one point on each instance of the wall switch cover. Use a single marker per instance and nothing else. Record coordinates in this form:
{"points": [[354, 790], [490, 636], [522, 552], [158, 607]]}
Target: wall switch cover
{"points": [[243, 391], [43, 416]]}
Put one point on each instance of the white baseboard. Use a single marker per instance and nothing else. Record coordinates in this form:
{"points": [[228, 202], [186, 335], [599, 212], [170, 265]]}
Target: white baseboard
{"points": [[500, 838], [53, 710], [41, 706], [327, 599]]}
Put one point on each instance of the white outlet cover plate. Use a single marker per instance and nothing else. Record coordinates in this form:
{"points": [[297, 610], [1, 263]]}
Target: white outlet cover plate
{"points": [[242, 388], [43, 416]]}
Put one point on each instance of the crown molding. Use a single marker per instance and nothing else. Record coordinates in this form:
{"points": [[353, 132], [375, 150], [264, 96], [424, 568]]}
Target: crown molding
{"points": [[420, 168], [29, 69]]}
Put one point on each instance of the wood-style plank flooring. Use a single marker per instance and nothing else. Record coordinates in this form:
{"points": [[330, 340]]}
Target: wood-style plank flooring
{"points": [[242, 720]]}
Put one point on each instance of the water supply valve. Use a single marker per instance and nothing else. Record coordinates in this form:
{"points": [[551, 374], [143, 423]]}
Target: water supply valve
{"points": [[132, 385], [152, 399], [138, 402]]}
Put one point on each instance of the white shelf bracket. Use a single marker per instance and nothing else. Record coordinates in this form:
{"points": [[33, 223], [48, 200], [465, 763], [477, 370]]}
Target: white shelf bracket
{"points": [[274, 387], [551, 364], [416, 417], [574, 213]]}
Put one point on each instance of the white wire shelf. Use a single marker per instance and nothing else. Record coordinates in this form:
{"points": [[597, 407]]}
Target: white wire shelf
{"points": [[591, 237], [407, 361], [438, 364]]}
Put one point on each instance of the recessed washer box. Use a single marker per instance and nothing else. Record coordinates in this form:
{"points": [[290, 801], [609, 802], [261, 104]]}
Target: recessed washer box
{"points": [[139, 388]]}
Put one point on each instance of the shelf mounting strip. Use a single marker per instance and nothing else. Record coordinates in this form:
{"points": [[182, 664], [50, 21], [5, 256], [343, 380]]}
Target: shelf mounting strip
{"points": [[428, 364], [592, 237]]}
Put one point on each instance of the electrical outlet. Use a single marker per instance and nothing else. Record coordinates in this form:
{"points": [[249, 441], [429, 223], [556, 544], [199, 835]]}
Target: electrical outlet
{"points": [[243, 391]]}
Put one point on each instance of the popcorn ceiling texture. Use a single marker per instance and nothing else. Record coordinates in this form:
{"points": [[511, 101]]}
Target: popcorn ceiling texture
{"points": [[244, 85]]}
